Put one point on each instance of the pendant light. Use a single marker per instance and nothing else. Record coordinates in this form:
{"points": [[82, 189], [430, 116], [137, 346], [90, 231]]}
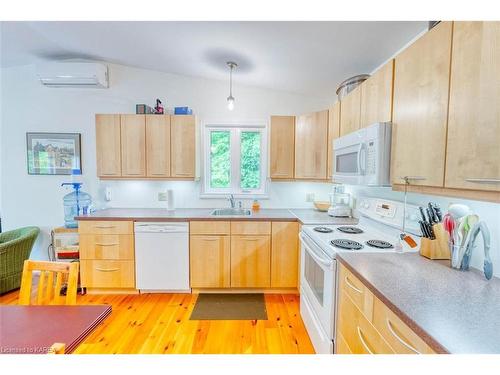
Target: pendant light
{"points": [[230, 98]]}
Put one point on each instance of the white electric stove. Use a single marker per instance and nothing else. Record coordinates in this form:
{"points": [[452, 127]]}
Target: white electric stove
{"points": [[379, 229]]}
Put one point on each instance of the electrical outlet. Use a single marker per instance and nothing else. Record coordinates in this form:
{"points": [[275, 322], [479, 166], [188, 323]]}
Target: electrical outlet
{"points": [[310, 197], [162, 196]]}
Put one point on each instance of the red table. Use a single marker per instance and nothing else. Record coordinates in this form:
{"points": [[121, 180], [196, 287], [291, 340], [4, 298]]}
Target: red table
{"points": [[34, 329]]}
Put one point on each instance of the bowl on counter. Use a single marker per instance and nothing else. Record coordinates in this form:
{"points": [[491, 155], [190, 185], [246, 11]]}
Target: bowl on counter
{"points": [[322, 205]]}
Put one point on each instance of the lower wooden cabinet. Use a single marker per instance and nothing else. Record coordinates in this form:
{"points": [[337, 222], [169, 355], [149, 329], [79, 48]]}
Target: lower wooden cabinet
{"points": [[284, 254], [365, 325], [250, 261], [209, 261], [107, 273]]}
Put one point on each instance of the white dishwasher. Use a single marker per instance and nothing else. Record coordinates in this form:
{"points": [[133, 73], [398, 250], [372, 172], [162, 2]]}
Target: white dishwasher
{"points": [[162, 257]]}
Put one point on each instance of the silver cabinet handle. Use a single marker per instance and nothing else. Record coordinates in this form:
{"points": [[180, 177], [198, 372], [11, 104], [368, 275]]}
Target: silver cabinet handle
{"points": [[107, 269], [403, 342], [210, 239], [413, 178], [106, 244], [104, 226], [484, 180], [183, 174], [363, 342], [251, 239], [346, 279]]}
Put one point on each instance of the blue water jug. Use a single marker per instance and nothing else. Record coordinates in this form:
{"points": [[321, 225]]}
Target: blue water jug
{"points": [[75, 203]]}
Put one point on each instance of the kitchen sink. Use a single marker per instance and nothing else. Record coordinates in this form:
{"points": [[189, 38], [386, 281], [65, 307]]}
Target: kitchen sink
{"points": [[231, 212]]}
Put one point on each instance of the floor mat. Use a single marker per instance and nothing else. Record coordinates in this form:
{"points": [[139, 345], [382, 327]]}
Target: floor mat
{"points": [[230, 307]]}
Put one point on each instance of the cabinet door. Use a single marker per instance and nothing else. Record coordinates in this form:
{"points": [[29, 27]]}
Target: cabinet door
{"points": [[158, 145], [209, 261], [133, 145], [421, 82], [282, 147], [108, 153], [350, 112], [284, 254], [182, 155], [472, 160], [311, 138], [333, 134], [376, 96], [250, 262]]}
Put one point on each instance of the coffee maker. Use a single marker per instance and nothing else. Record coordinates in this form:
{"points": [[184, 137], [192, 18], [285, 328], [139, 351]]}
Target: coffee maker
{"points": [[340, 202]]}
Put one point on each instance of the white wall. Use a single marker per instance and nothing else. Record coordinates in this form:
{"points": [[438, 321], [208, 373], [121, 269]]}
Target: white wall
{"points": [[489, 212], [29, 107]]}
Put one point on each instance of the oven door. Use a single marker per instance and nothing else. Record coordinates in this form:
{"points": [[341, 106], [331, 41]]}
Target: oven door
{"points": [[349, 164], [318, 278]]}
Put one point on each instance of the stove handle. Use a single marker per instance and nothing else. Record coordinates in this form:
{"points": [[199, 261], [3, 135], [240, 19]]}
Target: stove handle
{"points": [[312, 253]]}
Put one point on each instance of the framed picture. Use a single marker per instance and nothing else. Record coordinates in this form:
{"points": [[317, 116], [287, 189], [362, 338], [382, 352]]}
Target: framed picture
{"points": [[53, 153]]}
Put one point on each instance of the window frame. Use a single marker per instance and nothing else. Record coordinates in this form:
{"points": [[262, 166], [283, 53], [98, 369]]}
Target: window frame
{"points": [[235, 129]]}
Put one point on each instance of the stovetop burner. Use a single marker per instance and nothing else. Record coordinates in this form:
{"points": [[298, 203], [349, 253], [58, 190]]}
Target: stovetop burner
{"points": [[323, 229], [350, 230], [346, 244], [379, 244]]}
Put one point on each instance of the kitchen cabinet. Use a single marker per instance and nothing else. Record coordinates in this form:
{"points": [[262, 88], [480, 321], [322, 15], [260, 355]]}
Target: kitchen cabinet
{"points": [[158, 145], [333, 134], [209, 261], [107, 255], [133, 145], [282, 147], [421, 83], [250, 261], [183, 145], [365, 325], [376, 96], [311, 143], [472, 160], [350, 107], [284, 254], [108, 144]]}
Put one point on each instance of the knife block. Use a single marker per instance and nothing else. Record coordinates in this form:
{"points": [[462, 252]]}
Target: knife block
{"points": [[437, 248]]}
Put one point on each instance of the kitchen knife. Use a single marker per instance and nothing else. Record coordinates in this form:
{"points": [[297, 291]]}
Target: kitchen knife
{"points": [[437, 211], [423, 229], [433, 217], [430, 216], [422, 214]]}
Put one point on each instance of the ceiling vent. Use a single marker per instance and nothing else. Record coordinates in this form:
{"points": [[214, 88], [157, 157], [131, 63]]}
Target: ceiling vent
{"points": [[73, 74]]}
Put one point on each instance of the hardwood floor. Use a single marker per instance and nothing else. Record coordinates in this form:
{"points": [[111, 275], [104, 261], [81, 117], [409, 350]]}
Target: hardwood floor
{"points": [[159, 323]]}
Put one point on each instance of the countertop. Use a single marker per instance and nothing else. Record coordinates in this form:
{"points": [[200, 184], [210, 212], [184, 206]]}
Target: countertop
{"points": [[305, 216], [452, 311]]}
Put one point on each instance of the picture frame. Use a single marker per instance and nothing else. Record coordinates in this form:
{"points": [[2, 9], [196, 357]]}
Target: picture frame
{"points": [[53, 153]]}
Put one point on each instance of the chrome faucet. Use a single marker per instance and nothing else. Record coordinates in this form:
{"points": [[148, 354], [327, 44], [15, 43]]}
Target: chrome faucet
{"points": [[231, 200]]}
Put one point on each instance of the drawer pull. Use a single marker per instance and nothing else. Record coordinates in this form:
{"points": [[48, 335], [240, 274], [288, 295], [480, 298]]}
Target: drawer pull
{"points": [[183, 174], [104, 226], [363, 342], [209, 239], [106, 244], [484, 180], [251, 239], [107, 269], [350, 285], [403, 342]]}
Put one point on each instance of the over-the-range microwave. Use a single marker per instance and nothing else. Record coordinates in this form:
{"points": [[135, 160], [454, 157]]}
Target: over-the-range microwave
{"points": [[363, 157]]}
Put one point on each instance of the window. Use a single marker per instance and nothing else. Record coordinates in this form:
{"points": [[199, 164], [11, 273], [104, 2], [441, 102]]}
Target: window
{"points": [[235, 160]]}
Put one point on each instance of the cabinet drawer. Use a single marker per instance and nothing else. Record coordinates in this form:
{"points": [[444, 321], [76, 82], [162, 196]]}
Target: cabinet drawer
{"points": [[107, 273], [106, 227], [251, 227], [107, 246], [399, 336], [354, 288], [359, 334], [209, 227]]}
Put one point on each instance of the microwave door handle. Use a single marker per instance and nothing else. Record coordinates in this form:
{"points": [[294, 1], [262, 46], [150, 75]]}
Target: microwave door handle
{"points": [[360, 149]]}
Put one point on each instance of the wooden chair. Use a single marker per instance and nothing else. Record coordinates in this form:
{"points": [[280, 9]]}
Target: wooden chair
{"points": [[48, 293]]}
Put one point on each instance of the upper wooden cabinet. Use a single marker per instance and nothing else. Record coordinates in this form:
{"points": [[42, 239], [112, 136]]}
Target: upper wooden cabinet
{"points": [[376, 96], [311, 135], [183, 145], [351, 112], [333, 133], [421, 83], [473, 157], [133, 145], [107, 129], [158, 145], [282, 147]]}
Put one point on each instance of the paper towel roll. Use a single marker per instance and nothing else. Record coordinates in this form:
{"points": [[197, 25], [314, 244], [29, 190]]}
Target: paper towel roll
{"points": [[170, 200]]}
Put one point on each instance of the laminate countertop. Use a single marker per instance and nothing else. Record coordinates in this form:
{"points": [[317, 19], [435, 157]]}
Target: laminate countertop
{"points": [[305, 216], [452, 311]]}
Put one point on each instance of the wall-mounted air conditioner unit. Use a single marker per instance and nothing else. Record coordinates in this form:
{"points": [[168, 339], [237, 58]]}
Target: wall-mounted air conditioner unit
{"points": [[73, 74]]}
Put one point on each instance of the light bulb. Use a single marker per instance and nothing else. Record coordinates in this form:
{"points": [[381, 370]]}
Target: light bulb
{"points": [[230, 103]]}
